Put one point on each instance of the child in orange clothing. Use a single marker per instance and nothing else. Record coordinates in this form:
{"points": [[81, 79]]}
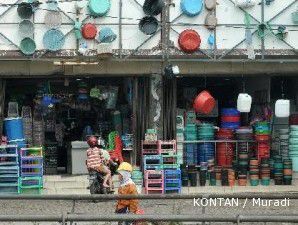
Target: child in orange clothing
{"points": [[127, 187]]}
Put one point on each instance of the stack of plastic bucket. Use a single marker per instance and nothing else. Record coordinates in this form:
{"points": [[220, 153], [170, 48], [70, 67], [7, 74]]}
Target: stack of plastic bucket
{"points": [[225, 150], [244, 134], [284, 142], [230, 118], [288, 171], [262, 136], [14, 131], [254, 172], [265, 172], [205, 150], [293, 146], [278, 170], [190, 134]]}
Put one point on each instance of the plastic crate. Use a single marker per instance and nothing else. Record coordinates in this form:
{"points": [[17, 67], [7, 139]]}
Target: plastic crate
{"points": [[172, 190], [31, 182], [172, 174], [32, 171], [9, 171], [150, 148], [31, 162], [154, 191], [167, 147], [152, 162], [31, 152]]}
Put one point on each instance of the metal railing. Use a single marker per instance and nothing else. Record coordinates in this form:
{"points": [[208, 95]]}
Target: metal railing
{"points": [[72, 217]]}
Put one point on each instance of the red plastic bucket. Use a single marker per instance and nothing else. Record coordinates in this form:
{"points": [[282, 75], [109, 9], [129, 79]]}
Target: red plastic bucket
{"points": [[230, 119], [204, 103], [89, 31], [189, 41]]}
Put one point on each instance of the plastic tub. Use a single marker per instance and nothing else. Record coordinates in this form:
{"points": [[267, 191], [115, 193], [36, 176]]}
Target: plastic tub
{"points": [[153, 7], [204, 103], [89, 31], [27, 46], [148, 25], [25, 10], [53, 40], [191, 7], [99, 7], [189, 41], [13, 128], [26, 28]]}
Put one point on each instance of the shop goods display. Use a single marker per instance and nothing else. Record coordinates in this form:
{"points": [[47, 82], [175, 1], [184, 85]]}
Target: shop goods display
{"points": [[225, 150], [106, 35], [265, 172], [50, 158], [293, 120], [172, 181], [287, 171], [26, 29], [167, 147], [245, 3], [53, 40], [245, 138], [189, 41], [27, 46], [9, 169], [244, 102], [137, 177], [27, 124], [153, 7], [204, 103], [25, 10], [150, 148], [191, 8], [254, 172], [284, 142], [263, 137], [53, 19], [293, 146], [191, 154], [31, 168], [230, 118], [148, 25], [211, 21], [154, 182], [89, 31], [205, 131], [278, 170], [99, 8], [282, 108]]}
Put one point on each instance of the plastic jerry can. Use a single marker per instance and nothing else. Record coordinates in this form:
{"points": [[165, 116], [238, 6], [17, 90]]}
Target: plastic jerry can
{"points": [[282, 108], [244, 102]]}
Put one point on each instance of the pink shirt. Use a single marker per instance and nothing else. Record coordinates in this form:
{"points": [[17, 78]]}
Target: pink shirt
{"points": [[93, 158]]}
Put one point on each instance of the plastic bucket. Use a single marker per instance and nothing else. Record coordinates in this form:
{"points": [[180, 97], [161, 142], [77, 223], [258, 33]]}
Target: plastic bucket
{"points": [[106, 35], [189, 41], [153, 7], [148, 25], [27, 46], [53, 19], [25, 10], [26, 28], [99, 7], [14, 128], [89, 31], [204, 103], [53, 40], [191, 7]]}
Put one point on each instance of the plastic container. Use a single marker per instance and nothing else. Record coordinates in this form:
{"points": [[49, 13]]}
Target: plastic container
{"points": [[27, 46], [99, 7], [148, 25], [282, 108], [204, 103], [153, 7], [244, 102], [14, 128], [53, 40], [89, 31], [189, 41], [106, 35], [191, 8]]}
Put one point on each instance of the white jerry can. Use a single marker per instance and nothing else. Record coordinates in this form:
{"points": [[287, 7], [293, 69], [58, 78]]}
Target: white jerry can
{"points": [[245, 3], [282, 108], [244, 102]]}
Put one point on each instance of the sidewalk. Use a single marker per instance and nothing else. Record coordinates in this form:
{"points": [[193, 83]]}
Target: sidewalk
{"points": [[71, 185]]}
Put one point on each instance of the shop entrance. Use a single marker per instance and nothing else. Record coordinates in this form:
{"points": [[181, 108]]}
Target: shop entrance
{"points": [[64, 111]]}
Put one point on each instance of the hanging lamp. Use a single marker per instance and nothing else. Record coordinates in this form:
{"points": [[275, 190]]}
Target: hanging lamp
{"points": [[282, 106]]}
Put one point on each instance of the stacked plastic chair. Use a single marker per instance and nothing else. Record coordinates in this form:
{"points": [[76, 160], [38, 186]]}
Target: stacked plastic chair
{"points": [[293, 146], [31, 180], [263, 137], [154, 181], [9, 170]]}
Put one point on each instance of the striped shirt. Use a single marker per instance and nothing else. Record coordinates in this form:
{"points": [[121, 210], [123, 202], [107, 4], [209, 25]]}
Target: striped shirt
{"points": [[94, 159]]}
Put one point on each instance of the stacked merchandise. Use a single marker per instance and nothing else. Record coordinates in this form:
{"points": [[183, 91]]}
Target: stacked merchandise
{"points": [[180, 138], [225, 150], [27, 124], [284, 142], [127, 140], [137, 177], [50, 158], [154, 181], [38, 129], [205, 150], [262, 136], [9, 169], [225, 177], [203, 173], [265, 172], [230, 118], [31, 180], [278, 170], [254, 172], [293, 146], [245, 138], [172, 181], [190, 134], [231, 177], [287, 171]]}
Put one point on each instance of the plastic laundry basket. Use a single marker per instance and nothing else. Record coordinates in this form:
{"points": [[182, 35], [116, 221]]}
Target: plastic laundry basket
{"points": [[53, 40], [27, 46]]}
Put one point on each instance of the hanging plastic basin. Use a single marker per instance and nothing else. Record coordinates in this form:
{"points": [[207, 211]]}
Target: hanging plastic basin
{"points": [[53, 40], [204, 103], [27, 46], [230, 112], [89, 31], [25, 10], [148, 25], [189, 41], [13, 128], [191, 7], [106, 35], [99, 7], [153, 7], [26, 28], [53, 19]]}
